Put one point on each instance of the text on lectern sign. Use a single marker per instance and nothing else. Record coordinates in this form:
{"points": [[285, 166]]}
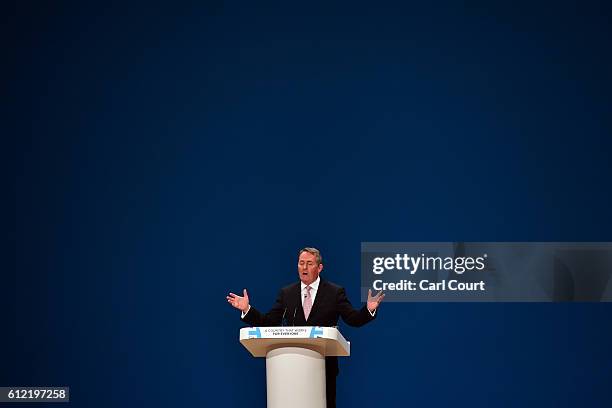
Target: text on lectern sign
{"points": [[284, 332]]}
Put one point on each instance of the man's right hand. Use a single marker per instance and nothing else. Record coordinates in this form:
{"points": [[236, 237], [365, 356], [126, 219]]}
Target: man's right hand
{"points": [[239, 302]]}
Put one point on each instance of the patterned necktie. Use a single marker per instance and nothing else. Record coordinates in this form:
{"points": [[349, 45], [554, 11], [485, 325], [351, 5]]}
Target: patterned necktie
{"points": [[307, 302]]}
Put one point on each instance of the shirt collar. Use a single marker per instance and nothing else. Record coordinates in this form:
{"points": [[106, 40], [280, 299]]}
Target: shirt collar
{"points": [[314, 285]]}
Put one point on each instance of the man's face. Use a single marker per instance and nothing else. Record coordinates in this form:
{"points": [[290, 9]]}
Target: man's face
{"points": [[308, 268]]}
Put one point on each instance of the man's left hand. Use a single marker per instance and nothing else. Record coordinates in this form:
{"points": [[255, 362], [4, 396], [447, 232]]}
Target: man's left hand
{"points": [[374, 301]]}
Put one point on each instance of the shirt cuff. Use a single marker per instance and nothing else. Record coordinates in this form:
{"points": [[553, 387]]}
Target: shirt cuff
{"points": [[247, 311], [372, 313]]}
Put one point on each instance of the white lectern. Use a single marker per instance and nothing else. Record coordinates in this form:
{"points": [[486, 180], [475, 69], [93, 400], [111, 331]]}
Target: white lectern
{"points": [[295, 361]]}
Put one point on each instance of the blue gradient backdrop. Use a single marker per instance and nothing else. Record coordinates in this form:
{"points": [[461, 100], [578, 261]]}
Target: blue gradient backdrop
{"points": [[169, 154]]}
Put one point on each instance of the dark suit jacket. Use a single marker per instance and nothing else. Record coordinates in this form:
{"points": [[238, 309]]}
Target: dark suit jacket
{"points": [[330, 303]]}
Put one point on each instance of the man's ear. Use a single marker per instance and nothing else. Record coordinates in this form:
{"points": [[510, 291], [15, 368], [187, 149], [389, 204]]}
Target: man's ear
{"points": [[320, 267]]}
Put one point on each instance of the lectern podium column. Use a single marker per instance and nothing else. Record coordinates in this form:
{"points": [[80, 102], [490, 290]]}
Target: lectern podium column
{"points": [[295, 378], [295, 361]]}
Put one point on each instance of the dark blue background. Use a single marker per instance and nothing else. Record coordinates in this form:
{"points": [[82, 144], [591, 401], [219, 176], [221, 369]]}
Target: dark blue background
{"points": [[169, 154]]}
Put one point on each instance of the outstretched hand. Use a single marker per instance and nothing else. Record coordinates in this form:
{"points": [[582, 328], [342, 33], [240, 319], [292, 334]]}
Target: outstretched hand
{"points": [[374, 301], [239, 302]]}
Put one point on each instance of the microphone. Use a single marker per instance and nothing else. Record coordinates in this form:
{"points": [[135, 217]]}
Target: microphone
{"points": [[294, 312], [283, 318]]}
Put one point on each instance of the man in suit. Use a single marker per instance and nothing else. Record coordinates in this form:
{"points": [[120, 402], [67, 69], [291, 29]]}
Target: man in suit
{"points": [[311, 302]]}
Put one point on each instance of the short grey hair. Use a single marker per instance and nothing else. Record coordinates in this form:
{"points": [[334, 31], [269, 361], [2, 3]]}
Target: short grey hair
{"points": [[313, 251]]}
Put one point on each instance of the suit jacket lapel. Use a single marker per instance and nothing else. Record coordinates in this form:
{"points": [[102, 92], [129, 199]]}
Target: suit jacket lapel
{"points": [[299, 310]]}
